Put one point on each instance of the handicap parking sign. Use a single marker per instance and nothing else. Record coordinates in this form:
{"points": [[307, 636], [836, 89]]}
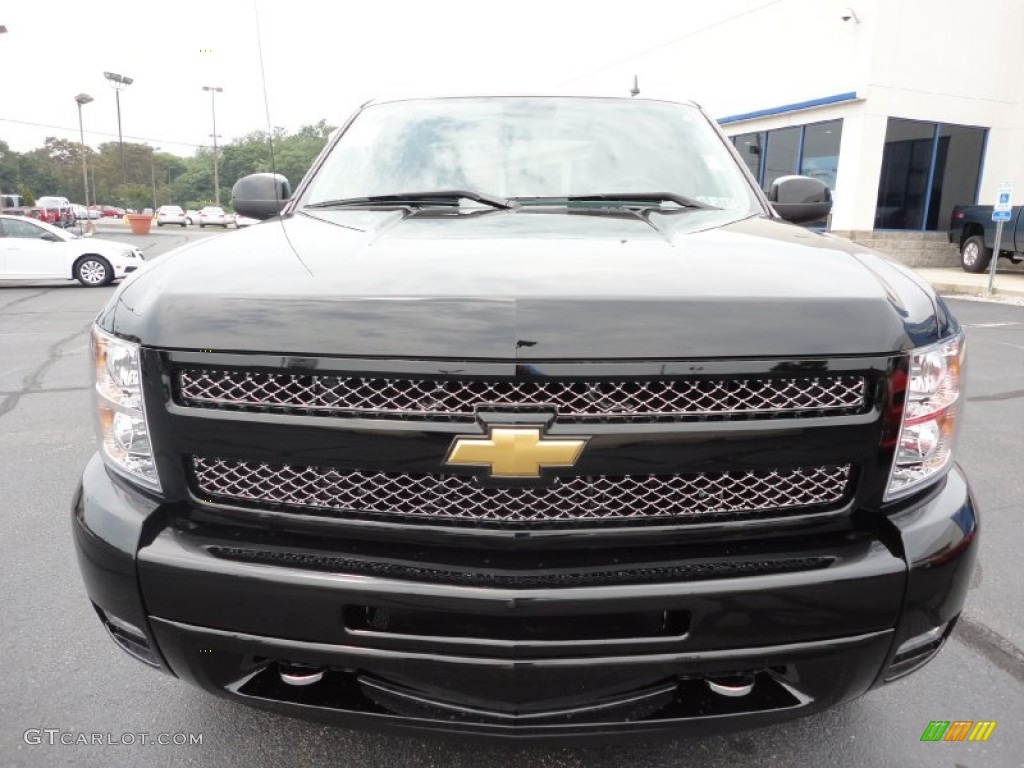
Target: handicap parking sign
{"points": [[1004, 200]]}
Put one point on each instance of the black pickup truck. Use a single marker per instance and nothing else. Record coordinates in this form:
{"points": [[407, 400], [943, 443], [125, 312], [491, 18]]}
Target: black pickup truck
{"points": [[971, 228], [529, 418]]}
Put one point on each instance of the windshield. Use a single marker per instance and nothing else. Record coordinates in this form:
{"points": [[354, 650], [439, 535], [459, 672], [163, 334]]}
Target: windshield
{"points": [[526, 148]]}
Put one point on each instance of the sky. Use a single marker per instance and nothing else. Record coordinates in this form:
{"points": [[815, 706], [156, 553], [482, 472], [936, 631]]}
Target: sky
{"points": [[321, 58]]}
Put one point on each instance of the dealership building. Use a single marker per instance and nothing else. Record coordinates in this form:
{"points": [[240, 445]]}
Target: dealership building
{"points": [[904, 107]]}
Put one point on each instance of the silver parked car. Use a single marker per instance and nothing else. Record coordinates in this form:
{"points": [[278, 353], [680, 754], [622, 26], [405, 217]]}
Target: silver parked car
{"points": [[170, 214], [212, 216]]}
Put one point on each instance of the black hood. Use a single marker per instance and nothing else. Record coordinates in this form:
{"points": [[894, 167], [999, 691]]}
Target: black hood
{"points": [[537, 284]]}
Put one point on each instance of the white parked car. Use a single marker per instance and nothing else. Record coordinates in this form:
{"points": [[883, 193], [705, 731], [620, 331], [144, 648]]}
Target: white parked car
{"points": [[170, 214], [61, 205], [212, 216], [34, 250], [52, 201]]}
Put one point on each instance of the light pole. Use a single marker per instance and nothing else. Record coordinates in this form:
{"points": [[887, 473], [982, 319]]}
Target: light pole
{"points": [[152, 173], [119, 83], [214, 90], [84, 98]]}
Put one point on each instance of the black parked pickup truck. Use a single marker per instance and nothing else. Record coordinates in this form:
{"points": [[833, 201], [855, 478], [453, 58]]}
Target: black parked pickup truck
{"points": [[971, 228], [528, 417]]}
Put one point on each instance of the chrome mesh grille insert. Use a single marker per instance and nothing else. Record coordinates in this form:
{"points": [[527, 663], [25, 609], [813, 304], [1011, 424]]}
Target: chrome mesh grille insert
{"points": [[569, 500], [574, 400]]}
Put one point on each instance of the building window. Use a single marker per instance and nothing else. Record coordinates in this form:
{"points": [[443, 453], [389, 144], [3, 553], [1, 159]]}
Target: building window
{"points": [[927, 168], [820, 157], [812, 150], [782, 154], [749, 147], [957, 169], [904, 181]]}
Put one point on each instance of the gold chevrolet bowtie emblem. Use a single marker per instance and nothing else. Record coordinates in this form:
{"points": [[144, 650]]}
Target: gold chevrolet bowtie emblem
{"points": [[515, 452]]}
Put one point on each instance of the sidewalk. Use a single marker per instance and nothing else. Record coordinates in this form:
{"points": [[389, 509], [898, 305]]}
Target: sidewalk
{"points": [[1009, 281]]}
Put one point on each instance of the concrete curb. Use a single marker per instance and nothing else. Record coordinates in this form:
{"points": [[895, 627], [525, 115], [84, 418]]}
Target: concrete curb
{"points": [[1009, 283], [970, 290]]}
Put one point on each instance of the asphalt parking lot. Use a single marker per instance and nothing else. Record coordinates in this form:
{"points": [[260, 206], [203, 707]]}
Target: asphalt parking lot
{"points": [[61, 672]]}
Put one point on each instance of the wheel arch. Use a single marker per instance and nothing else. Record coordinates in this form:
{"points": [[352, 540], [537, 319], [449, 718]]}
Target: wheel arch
{"points": [[83, 257], [970, 230]]}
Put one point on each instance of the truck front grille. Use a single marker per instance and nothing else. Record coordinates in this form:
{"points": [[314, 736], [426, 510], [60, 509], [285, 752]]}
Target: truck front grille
{"points": [[593, 401], [552, 578], [630, 499]]}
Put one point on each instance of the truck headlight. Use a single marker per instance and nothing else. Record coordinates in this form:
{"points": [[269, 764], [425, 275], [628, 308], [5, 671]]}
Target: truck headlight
{"points": [[120, 411], [931, 414]]}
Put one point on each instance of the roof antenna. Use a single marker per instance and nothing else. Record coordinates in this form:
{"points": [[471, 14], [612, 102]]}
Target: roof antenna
{"points": [[270, 134], [635, 90], [263, 77]]}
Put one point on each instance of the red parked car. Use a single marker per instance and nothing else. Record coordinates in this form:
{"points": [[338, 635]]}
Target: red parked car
{"points": [[60, 209], [47, 215]]}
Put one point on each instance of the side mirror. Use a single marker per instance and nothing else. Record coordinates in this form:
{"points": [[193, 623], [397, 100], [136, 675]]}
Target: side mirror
{"points": [[260, 195], [50, 237], [800, 198]]}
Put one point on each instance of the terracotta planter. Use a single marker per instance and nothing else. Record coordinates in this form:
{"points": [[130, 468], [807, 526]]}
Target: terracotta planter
{"points": [[139, 222]]}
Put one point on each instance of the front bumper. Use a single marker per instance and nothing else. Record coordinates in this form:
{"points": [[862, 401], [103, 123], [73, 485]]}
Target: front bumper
{"points": [[124, 268], [807, 639]]}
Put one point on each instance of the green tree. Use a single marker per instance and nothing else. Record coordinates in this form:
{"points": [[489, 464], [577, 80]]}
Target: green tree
{"points": [[141, 164], [292, 155], [192, 186], [168, 167], [298, 151], [9, 176], [137, 196], [35, 173], [65, 160], [55, 168], [106, 170]]}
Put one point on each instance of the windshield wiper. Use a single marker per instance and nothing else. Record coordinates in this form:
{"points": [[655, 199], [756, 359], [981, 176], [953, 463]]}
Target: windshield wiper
{"points": [[655, 198], [419, 198]]}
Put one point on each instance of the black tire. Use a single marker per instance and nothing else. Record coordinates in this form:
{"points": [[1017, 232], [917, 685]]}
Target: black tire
{"points": [[183, 225], [94, 271], [974, 256], [202, 226], [159, 223]]}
